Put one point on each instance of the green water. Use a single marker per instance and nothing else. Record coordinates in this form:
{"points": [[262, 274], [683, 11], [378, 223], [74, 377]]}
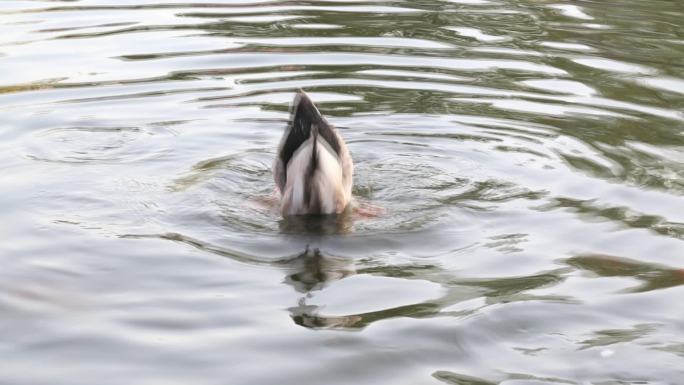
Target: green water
{"points": [[529, 156]]}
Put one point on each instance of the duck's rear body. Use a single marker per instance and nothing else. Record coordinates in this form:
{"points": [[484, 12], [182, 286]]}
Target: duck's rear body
{"points": [[313, 169]]}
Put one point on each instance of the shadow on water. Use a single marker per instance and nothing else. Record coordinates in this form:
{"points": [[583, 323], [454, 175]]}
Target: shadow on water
{"points": [[652, 276], [310, 317], [318, 224], [452, 378], [311, 270]]}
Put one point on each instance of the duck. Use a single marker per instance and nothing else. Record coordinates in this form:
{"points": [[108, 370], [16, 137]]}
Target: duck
{"points": [[313, 170]]}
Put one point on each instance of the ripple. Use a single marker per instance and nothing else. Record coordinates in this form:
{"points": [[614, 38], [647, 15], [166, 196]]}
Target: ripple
{"points": [[663, 83], [469, 2], [560, 86], [89, 144], [358, 41], [263, 18], [403, 74], [567, 46], [358, 295], [652, 276], [542, 108], [316, 26], [614, 65], [476, 34], [572, 11], [517, 192], [225, 12], [359, 59]]}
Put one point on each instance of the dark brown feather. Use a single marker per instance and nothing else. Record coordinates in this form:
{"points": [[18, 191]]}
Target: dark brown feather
{"points": [[304, 116]]}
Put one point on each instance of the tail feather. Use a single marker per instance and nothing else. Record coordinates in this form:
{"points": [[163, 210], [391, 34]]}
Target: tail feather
{"points": [[314, 150], [311, 196]]}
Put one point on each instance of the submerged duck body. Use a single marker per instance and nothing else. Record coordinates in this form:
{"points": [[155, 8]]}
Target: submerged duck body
{"points": [[313, 169]]}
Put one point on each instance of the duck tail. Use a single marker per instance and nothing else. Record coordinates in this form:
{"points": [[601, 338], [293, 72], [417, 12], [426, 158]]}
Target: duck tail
{"points": [[310, 195], [313, 164]]}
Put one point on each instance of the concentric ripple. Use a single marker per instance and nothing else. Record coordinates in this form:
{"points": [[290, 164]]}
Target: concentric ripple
{"points": [[83, 144]]}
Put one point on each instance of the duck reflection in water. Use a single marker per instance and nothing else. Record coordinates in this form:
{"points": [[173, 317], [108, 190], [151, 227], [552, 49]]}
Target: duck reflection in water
{"points": [[318, 224], [312, 271]]}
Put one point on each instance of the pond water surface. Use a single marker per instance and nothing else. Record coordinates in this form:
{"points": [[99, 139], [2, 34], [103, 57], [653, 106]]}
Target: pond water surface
{"points": [[528, 155]]}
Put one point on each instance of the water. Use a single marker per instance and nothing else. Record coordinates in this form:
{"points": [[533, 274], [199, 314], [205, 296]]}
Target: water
{"points": [[528, 156]]}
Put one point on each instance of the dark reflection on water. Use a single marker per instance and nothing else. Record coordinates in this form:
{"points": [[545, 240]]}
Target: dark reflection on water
{"points": [[318, 224], [654, 277], [311, 270], [518, 214]]}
